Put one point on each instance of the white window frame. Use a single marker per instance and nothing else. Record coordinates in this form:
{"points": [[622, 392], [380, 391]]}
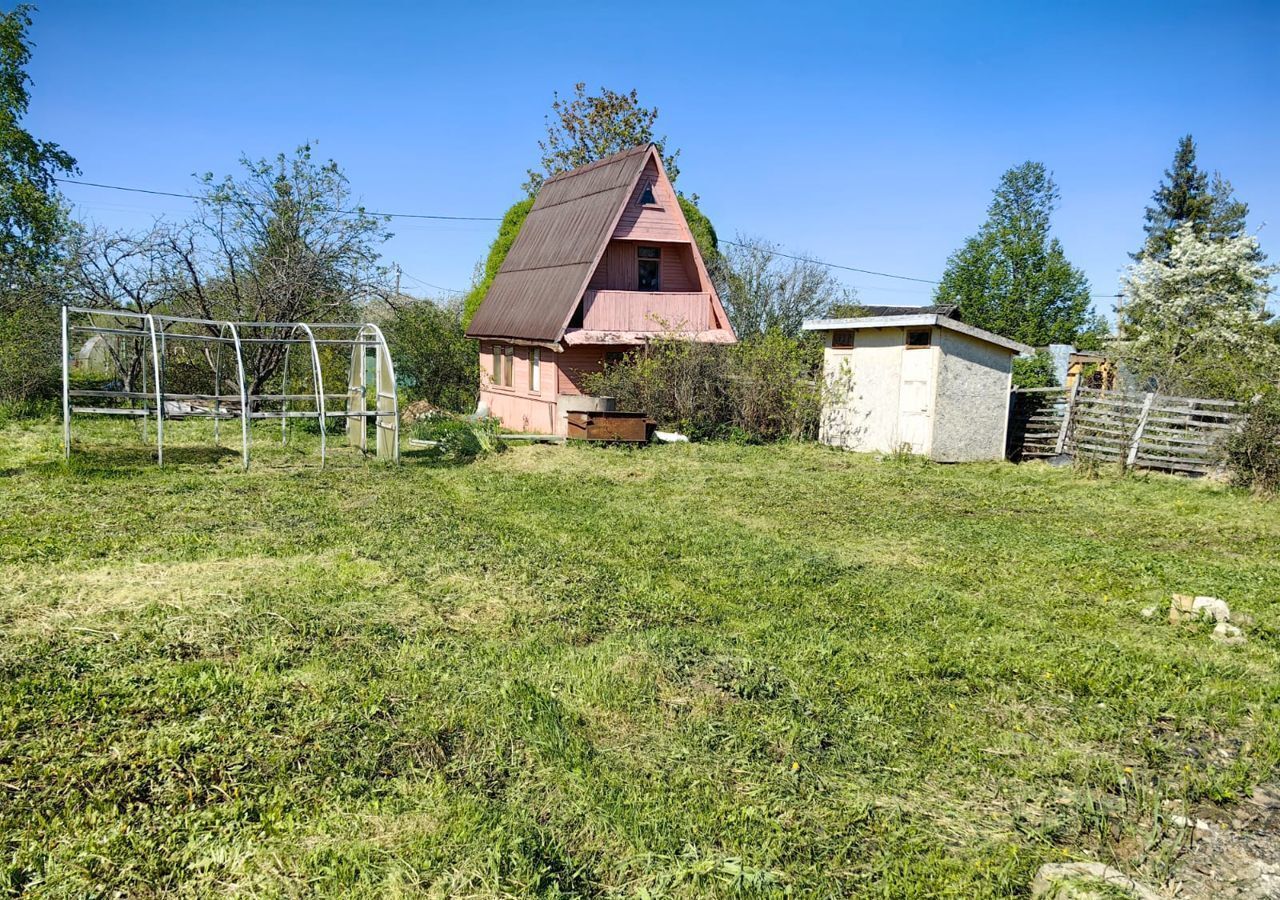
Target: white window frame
{"points": [[535, 370]]}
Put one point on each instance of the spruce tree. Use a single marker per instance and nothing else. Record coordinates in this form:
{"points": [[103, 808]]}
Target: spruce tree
{"points": [[1188, 195]]}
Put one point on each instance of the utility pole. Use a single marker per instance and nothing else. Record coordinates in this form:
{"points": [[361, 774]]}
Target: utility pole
{"points": [[397, 282]]}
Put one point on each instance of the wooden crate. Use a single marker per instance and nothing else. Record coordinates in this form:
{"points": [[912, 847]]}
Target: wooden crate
{"points": [[631, 427]]}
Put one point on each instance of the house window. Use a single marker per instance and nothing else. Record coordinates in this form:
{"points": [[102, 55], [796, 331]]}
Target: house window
{"points": [[535, 371], [920, 338], [646, 196], [842, 340], [614, 357], [511, 353], [649, 265], [497, 365]]}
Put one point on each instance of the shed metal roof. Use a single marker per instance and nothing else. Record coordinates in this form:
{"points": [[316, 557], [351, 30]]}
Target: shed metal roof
{"points": [[919, 320], [542, 279]]}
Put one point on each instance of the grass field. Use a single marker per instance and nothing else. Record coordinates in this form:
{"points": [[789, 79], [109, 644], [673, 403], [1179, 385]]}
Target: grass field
{"points": [[573, 671]]}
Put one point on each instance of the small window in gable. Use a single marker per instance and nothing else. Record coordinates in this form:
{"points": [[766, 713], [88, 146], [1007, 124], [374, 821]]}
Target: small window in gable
{"points": [[646, 196], [842, 339], [917, 339]]}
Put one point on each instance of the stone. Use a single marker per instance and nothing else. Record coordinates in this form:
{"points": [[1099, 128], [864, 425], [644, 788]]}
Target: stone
{"points": [[1186, 608], [1086, 881], [1226, 633], [1149, 612]]}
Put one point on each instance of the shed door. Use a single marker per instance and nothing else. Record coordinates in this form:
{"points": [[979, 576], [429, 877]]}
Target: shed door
{"points": [[915, 399]]}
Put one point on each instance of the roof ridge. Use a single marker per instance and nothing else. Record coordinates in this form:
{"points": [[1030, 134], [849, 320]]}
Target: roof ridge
{"points": [[600, 163]]}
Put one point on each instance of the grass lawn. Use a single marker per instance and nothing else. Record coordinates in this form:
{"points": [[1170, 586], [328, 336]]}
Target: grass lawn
{"points": [[572, 671]]}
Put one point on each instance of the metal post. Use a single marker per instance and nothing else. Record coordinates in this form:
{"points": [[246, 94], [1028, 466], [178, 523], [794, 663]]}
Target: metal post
{"points": [[284, 391], [155, 366], [1137, 432], [66, 386], [318, 382], [217, 389], [244, 397]]}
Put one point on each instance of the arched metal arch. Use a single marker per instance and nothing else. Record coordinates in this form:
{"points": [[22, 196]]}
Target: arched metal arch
{"points": [[240, 380]]}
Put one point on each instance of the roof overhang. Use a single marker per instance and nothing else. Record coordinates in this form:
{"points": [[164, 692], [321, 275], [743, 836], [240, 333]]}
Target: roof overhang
{"points": [[578, 336], [922, 320]]}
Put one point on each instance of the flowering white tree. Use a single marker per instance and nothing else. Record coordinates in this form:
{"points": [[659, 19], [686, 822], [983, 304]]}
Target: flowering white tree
{"points": [[1195, 321]]}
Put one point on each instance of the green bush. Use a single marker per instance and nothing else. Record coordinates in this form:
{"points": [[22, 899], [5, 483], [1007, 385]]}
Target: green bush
{"points": [[435, 360], [763, 389], [1253, 452], [458, 439], [30, 341], [1034, 371], [507, 231]]}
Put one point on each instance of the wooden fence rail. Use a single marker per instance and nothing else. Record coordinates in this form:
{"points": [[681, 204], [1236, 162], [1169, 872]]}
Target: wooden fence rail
{"points": [[1146, 431]]}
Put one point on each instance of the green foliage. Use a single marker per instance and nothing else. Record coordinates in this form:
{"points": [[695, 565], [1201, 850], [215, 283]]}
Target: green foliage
{"points": [[705, 670], [1253, 452], [458, 440], [1012, 277], [512, 219], [704, 233], [761, 389], [32, 217], [33, 223], [435, 360], [1188, 196], [585, 128], [1034, 371]]}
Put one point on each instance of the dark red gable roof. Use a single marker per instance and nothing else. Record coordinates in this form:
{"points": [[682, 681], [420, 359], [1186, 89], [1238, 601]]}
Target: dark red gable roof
{"points": [[543, 277]]}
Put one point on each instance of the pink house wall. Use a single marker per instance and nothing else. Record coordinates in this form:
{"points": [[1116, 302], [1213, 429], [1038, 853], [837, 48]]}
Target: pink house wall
{"points": [[519, 407]]}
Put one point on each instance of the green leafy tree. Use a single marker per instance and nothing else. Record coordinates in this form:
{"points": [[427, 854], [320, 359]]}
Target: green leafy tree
{"points": [[1012, 277], [435, 360], [587, 127], [1034, 371], [1189, 195], [764, 291], [34, 225], [512, 220]]}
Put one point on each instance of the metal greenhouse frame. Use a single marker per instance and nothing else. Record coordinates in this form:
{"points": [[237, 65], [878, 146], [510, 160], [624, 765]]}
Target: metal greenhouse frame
{"points": [[151, 332]]}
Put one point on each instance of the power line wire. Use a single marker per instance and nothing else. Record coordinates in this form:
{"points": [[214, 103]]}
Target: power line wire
{"points": [[368, 212], [831, 265]]}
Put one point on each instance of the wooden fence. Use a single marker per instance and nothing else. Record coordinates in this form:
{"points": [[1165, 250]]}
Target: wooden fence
{"points": [[1148, 431]]}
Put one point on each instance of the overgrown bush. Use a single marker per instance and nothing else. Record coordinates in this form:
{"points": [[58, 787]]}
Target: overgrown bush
{"points": [[458, 439], [1035, 371], [435, 360], [1253, 452], [29, 346], [762, 389]]}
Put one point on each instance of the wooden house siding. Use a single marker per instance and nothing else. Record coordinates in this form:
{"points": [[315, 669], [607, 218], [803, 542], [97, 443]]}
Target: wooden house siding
{"points": [[618, 269], [660, 222]]}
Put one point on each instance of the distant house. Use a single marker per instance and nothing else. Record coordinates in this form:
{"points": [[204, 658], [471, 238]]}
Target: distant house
{"points": [[604, 263], [918, 380]]}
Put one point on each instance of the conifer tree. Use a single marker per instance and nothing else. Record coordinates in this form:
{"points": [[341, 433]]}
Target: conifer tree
{"points": [[1189, 195]]}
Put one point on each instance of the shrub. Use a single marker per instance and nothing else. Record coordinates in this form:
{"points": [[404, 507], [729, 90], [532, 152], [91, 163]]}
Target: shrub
{"points": [[435, 360], [458, 439], [507, 231], [1035, 371], [762, 389], [1253, 452], [30, 342]]}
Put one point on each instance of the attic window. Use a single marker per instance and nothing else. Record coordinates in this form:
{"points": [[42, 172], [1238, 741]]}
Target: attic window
{"points": [[842, 339], [918, 338], [646, 196]]}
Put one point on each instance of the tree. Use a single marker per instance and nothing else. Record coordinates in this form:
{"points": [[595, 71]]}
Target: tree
{"points": [[1188, 195], [34, 222], [512, 219], [1012, 277], [764, 291], [283, 242], [435, 361], [585, 128], [1194, 321]]}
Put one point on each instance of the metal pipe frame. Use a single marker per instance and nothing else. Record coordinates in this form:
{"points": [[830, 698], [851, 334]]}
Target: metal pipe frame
{"points": [[153, 327]]}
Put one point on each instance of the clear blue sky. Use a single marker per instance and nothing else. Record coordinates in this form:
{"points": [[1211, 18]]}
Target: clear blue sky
{"points": [[867, 134]]}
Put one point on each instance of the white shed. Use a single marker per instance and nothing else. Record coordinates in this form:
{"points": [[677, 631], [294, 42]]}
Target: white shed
{"points": [[920, 382]]}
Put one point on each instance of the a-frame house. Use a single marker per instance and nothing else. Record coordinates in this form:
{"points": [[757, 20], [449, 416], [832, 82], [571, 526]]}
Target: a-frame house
{"points": [[604, 263]]}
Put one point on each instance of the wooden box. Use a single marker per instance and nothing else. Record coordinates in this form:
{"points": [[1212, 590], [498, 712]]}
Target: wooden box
{"points": [[631, 427]]}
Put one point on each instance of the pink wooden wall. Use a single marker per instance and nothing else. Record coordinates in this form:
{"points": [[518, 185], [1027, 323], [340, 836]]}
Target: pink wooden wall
{"points": [[651, 223], [649, 311], [618, 271], [519, 407]]}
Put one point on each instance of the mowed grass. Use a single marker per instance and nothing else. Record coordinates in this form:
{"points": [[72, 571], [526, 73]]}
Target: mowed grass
{"points": [[700, 670]]}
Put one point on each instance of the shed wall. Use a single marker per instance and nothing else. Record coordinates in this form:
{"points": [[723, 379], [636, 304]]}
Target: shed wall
{"points": [[972, 401], [862, 413]]}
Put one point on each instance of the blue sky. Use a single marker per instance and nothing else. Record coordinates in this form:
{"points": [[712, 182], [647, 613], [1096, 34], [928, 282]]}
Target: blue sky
{"points": [[865, 134]]}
